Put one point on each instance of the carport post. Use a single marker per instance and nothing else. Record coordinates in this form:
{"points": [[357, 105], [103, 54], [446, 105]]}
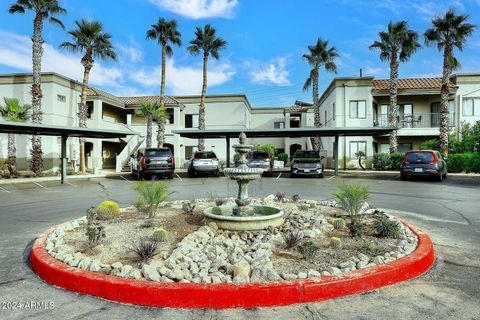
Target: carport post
{"points": [[228, 151], [63, 159], [335, 152]]}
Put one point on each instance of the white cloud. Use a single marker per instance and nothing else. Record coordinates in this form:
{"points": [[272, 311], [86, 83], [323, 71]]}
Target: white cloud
{"points": [[374, 71], [198, 9], [273, 72], [184, 80], [15, 52], [129, 53]]}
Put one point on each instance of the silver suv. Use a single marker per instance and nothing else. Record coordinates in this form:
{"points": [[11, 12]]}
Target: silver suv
{"points": [[204, 162], [306, 163]]}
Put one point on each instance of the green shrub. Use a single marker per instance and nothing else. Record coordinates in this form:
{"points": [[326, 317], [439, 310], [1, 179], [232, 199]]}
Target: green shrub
{"points": [[160, 234], [283, 157], [147, 224], [335, 243], [429, 145], [352, 197], [356, 228], [309, 250], [463, 162], [271, 149], [338, 223], [367, 248], [396, 161], [470, 137], [385, 227], [108, 210], [385, 161], [152, 194]]}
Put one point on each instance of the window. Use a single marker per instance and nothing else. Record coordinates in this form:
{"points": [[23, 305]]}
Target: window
{"points": [[333, 112], [171, 118], [471, 107], [356, 146], [191, 121], [295, 120], [61, 98], [279, 125], [326, 114], [401, 148], [90, 109], [358, 109]]}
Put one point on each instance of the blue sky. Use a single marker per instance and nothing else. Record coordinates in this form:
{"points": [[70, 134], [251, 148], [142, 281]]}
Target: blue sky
{"points": [[266, 40]]}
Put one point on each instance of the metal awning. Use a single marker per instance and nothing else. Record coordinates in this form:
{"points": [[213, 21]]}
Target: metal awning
{"points": [[286, 133], [64, 133]]}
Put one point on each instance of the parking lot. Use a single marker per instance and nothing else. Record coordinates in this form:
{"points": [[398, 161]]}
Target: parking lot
{"points": [[449, 212]]}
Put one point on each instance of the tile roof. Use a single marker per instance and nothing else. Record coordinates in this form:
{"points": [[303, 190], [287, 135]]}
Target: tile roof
{"points": [[93, 92], [406, 84], [299, 106], [135, 101]]}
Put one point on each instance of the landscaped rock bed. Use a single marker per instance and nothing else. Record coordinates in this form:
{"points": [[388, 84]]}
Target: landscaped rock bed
{"points": [[194, 252]]}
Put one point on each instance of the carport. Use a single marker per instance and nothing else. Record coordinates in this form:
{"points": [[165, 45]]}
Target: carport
{"points": [[286, 133], [64, 133]]}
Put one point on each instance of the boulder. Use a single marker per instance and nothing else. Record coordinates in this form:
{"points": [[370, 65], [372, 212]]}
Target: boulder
{"points": [[150, 272]]}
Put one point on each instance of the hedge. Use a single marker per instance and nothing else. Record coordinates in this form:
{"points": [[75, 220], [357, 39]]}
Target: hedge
{"points": [[386, 161], [463, 162]]}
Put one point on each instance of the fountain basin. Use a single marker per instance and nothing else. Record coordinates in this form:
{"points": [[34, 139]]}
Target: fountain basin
{"points": [[225, 219]]}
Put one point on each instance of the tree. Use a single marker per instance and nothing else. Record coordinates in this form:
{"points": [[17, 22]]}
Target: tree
{"points": [[43, 9], [448, 32], [165, 33], [396, 45], [15, 112], [90, 40], [206, 42], [148, 110], [160, 116], [319, 55]]}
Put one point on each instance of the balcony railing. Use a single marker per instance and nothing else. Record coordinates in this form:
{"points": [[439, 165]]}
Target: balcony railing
{"points": [[416, 120]]}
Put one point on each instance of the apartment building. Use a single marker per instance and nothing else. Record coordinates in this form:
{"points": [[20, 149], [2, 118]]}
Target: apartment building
{"points": [[347, 102]]}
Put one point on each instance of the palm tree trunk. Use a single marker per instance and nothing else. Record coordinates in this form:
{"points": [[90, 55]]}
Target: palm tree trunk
{"points": [[149, 131], [316, 107], [12, 157], [393, 113], [87, 62], [161, 122], [444, 101], [201, 110], [37, 116]]}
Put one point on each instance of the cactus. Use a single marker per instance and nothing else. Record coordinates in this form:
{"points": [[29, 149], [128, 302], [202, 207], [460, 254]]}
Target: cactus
{"points": [[148, 223], [335, 243], [188, 207], [107, 210], [217, 211], [309, 250], [95, 232], [160, 235], [313, 205], [339, 223]]}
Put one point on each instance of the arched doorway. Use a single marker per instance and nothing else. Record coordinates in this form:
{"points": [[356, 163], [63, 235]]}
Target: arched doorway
{"points": [[169, 146], [294, 147]]}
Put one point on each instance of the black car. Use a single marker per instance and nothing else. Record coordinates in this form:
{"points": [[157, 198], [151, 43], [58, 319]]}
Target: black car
{"points": [[306, 163], [424, 163], [150, 162]]}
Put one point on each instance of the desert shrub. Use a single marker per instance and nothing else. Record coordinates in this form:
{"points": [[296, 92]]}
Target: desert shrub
{"points": [[148, 223], [152, 194], [308, 249], [95, 231], [356, 228], [188, 207], [280, 196], [385, 227], [283, 157], [366, 248], [145, 249], [292, 238], [353, 197], [160, 235], [303, 206], [220, 201], [335, 243], [295, 198], [429, 145], [108, 210], [338, 223]]}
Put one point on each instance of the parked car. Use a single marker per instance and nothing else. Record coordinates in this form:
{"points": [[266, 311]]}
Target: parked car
{"points": [[260, 159], [424, 163], [149, 162], [306, 163], [204, 162]]}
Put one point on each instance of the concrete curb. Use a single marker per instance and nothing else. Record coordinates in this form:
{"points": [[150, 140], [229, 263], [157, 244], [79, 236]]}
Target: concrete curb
{"points": [[227, 295]]}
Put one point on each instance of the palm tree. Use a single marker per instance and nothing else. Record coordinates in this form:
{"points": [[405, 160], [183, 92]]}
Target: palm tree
{"points": [[448, 32], [160, 116], [90, 40], [397, 44], [165, 33], [43, 9], [148, 110], [206, 42], [15, 112], [319, 55]]}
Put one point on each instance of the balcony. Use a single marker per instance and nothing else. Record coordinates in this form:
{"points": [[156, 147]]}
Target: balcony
{"points": [[415, 120]]}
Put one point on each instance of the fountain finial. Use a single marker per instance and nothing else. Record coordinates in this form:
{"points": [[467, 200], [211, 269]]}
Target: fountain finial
{"points": [[242, 138]]}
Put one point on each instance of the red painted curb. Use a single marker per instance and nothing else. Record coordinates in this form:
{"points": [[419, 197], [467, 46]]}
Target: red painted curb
{"points": [[228, 295]]}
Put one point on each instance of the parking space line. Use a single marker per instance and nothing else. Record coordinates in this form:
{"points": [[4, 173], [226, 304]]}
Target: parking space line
{"points": [[179, 177], [279, 176], [332, 177], [70, 184], [38, 184], [125, 179], [4, 190]]}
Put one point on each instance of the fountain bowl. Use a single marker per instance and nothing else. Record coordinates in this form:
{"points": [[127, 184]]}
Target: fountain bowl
{"points": [[225, 219]]}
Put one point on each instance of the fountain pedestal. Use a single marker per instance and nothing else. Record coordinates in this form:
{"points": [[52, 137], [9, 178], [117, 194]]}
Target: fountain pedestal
{"points": [[244, 216]]}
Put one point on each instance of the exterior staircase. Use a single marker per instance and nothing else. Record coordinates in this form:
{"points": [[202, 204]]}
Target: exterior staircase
{"points": [[123, 158]]}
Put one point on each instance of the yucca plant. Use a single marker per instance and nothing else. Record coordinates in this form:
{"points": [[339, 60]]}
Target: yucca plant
{"points": [[353, 198], [292, 238], [145, 249], [152, 194]]}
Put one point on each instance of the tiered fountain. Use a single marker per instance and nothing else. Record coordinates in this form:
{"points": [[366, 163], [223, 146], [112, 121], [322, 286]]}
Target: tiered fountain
{"points": [[244, 216]]}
